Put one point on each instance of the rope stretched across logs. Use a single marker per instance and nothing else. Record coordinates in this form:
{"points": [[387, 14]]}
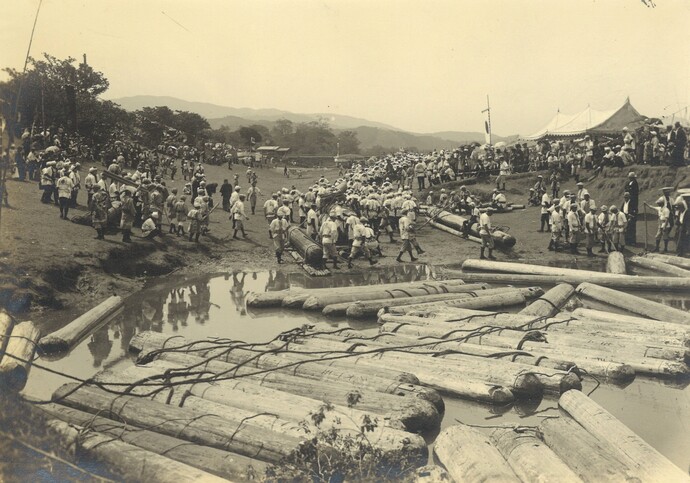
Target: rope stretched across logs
{"points": [[196, 373]]}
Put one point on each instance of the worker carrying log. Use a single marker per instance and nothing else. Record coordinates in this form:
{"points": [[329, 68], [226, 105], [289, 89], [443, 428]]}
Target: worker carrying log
{"points": [[485, 231]]}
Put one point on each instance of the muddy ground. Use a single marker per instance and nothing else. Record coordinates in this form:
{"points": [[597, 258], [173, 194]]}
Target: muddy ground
{"points": [[49, 264]]}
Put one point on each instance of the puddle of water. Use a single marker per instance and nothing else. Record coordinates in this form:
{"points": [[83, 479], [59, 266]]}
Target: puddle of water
{"points": [[214, 306]]}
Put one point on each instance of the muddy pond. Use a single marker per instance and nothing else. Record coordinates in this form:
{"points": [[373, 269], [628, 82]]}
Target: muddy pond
{"points": [[214, 306]]}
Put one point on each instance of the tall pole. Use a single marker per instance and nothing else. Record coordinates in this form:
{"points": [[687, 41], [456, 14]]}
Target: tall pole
{"points": [[488, 122]]}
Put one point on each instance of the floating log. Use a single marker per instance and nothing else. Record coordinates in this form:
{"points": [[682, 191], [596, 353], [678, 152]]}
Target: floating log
{"points": [[620, 439], [670, 259], [637, 325], [213, 460], [633, 303], [538, 274], [501, 239], [467, 385], [308, 370], [615, 263], [354, 341], [530, 458], [452, 231], [369, 308], [412, 413], [311, 252], [19, 353], [550, 303], [318, 302], [6, 326], [440, 373], [130, 462], [584, 453], [659, 266], [468, 455], [146, 341], [294, 301], [241, 437], [270, 299], [489, 299], [66, 338], [513, 325], [268, 408]]}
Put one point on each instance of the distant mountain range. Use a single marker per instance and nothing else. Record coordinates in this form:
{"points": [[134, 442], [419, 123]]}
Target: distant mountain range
{"points": [[370, 133]]}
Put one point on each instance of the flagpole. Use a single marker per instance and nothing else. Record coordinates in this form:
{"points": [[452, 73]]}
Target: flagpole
{"points": [[488, 122]]}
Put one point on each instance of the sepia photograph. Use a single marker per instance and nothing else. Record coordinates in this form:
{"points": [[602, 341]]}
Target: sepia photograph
{"points": [[334, 241]]}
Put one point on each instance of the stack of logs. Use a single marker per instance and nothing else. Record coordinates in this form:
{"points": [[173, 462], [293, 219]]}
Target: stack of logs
{"points": [[17, 350], [224, 409], [584, 443]]}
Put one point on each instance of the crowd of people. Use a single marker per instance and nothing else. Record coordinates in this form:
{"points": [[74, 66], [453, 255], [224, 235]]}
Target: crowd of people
{"points": [[370, 199]]}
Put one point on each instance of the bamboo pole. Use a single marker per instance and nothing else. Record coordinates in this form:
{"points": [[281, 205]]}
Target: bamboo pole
{"points": [[507, 272], [659, 266], [242, 437], [212, 460], [632, 303], [620, 439], [69, 336], [130, 462], [369, 308], [550, 303], [670, 259], [19, 353], [468, 455], [615, 263], [530, 458], [506, 298], [584, 453]]}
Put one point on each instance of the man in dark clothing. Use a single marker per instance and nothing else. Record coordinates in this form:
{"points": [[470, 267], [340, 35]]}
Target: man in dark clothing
{"points": [[634, 189], [225, 193], [680, 140]]}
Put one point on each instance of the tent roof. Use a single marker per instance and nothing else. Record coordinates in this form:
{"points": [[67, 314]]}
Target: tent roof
{"points": [[591, 121]]}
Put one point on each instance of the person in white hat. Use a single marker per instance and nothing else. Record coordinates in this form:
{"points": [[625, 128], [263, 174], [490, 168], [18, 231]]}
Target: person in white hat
{"points": [[485, 231], [664, 230]]}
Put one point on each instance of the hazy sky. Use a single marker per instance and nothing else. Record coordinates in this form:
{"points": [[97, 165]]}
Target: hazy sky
{"points": [[418, 65]]}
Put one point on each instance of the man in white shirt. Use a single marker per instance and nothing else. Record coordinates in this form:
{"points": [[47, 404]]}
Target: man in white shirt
{"points": [[485, 232], [556, 227], [277, 230], [664, 230], [590, 224], [238, 217], [270, 208], [312, 222], [64, 187], [574, 228], [329, 235], [359, 246], [406, 226], [618, 224]]}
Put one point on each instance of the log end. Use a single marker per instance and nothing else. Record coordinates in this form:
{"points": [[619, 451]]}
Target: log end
{"points": [[312, 303], [528, 385], [50, 345], [334, 310], [13, 378], [418, 415], [501, 395], [425, 393], [356, 311], [620, 373], [570, 381], [292, 302], [408, 378]]}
